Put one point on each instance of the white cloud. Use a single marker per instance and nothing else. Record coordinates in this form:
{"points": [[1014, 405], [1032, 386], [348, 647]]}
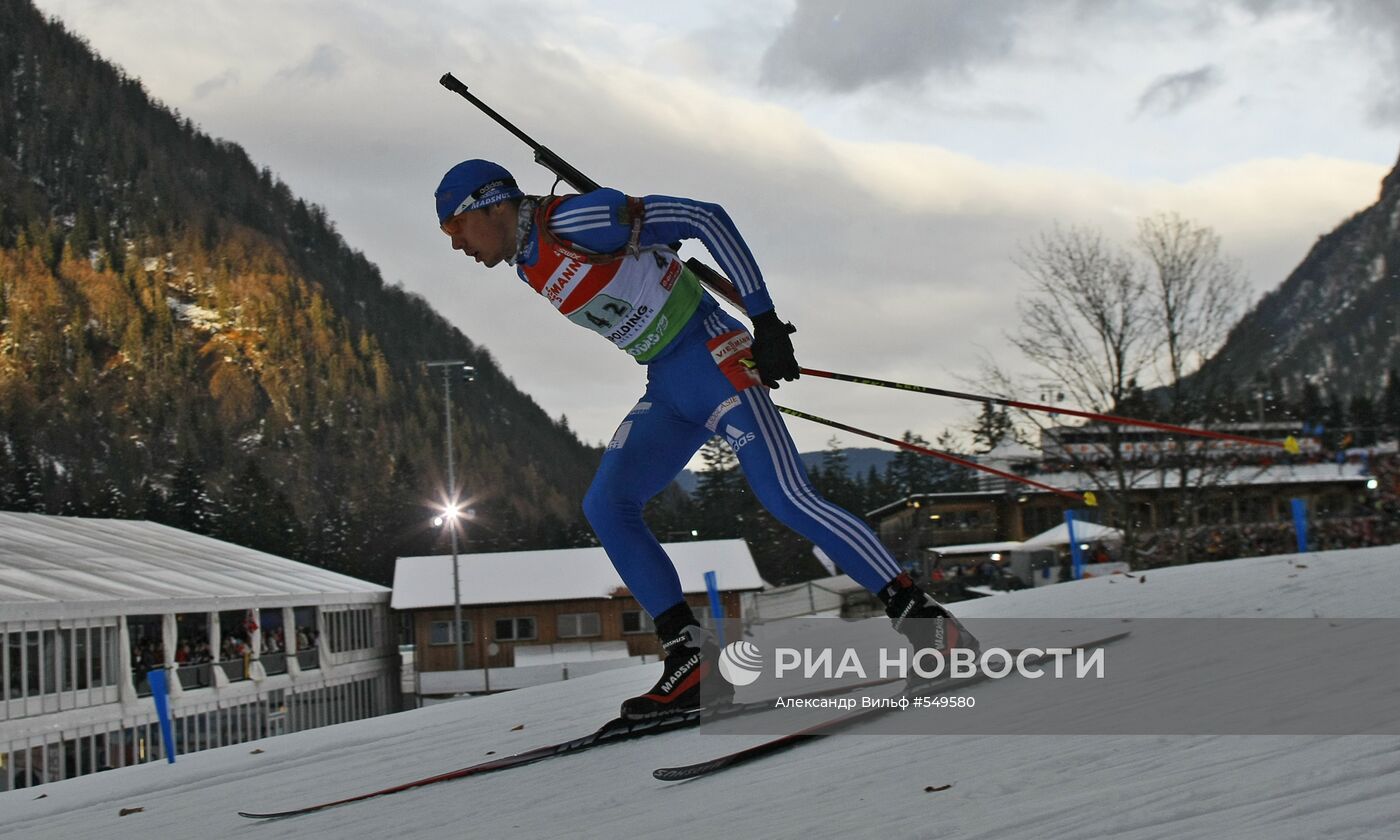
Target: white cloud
{"points": [[843, 45], [214, 84], [1170, 93], [893, 258], [326, 63]]}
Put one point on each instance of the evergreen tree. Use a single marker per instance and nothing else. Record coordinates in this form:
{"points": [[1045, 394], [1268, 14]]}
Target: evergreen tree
{"points": [[949, 477], [908, 472], [111, 502], [1362, 413], [189, 505], [152, 503], [875, 490], [258, 515], [1336, 423], [992, 427], [1311, 409], [832, 478], [329, 537], [671, 514], [721, 492], [1389, 408]]}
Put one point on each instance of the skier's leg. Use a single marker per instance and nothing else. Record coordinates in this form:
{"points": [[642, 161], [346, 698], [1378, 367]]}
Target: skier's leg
{"points": [[775, 472], [651, 446]]}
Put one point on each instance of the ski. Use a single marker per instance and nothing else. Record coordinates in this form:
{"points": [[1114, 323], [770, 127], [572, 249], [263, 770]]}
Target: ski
{"points": [[615, 730], [792, 739]]}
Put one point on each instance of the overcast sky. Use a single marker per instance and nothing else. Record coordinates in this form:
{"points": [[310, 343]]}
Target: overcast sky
{"points": [[886, 161]]}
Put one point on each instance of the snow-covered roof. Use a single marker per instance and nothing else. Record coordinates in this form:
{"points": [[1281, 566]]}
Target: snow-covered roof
{"points": [[1010, 450], [1149, 479], [61, 567], [566, 574]]}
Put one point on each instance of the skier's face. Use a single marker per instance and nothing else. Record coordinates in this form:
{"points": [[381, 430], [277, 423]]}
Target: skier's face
{"points": [[486, 236]]}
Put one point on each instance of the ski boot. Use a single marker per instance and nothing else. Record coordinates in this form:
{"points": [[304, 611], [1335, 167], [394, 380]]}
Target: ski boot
{"points": [[926, 623], [691, 663]]}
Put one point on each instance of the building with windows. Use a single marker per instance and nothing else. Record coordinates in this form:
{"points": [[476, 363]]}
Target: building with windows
{"points": [[254, 645], [535, 616]]}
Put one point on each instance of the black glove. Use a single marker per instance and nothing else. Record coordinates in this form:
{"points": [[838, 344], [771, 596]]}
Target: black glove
{"points": [[772, 349]]}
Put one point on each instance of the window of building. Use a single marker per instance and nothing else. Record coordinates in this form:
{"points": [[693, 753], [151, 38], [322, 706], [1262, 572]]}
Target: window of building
{"points": [[351, 628], [637, 621], [440, 633], [515, 629], [580, 625]]}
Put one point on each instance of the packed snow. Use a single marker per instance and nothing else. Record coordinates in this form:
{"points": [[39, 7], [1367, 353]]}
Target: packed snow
{"points": [[852, 785]]}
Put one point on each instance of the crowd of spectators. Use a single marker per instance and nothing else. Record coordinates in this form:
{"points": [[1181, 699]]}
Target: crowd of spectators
{"points": [[1373, 519], [148, 653]]}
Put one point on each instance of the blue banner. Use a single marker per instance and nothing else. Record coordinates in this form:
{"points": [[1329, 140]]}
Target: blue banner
{"points": [[716, 608], [1074, 550], [160, 691], [1300, 524]]}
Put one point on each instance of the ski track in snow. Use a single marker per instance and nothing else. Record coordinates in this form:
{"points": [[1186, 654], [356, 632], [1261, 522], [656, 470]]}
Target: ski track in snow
{"points": [[1004, 787]]}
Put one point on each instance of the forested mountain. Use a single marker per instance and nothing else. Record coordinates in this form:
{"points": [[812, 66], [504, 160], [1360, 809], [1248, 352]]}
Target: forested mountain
{"points": [[1330, 334], [184, 339]]}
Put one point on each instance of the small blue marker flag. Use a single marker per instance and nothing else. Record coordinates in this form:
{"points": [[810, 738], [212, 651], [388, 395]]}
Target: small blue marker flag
{"points": [[716, 609], [160, 691], [1074, 550], [1300, 524]]}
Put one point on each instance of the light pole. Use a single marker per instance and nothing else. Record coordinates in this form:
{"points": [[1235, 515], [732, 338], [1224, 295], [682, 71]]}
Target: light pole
{"points": [[452, 510]]}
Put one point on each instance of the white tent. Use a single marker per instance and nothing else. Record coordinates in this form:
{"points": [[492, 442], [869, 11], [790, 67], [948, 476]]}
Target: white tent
{"points": [[1084, 532], [975, 548]]}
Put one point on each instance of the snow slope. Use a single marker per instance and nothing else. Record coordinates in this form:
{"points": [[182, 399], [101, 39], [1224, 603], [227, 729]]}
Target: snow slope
{"points": [[1003, 787]]}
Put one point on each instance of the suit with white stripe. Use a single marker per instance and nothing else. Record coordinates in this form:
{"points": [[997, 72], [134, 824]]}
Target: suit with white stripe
{"points": [[696, 386]]}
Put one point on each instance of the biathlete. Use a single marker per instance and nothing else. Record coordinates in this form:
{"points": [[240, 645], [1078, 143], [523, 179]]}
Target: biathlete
{"points": [[602, 259]]}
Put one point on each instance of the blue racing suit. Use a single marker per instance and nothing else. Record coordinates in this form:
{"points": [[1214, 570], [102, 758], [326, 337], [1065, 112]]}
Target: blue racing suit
{"points": [[604, 261]]}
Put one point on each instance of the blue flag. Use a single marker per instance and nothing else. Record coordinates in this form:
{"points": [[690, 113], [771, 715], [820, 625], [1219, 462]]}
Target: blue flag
{"points": [[160, 692], [716, 608]]}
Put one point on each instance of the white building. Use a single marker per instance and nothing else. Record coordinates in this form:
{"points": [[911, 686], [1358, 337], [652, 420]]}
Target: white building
{"points": [[254, 644]]}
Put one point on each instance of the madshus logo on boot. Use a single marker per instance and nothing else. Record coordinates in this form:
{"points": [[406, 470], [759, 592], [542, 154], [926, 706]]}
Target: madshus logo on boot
{"points": [[740, 663]]}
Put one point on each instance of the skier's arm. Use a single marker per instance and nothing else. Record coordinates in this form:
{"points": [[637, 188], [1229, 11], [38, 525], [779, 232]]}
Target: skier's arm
{"points": [[598, 221], [669, 219]]}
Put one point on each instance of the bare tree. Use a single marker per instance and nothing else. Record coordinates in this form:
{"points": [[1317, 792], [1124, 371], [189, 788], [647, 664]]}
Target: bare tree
{"points": [[1104, 324], [1085, 324], [1196, 294]]}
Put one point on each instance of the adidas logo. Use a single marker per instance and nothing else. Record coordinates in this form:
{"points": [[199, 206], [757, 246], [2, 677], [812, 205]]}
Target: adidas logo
{"points": [[738, 438]]}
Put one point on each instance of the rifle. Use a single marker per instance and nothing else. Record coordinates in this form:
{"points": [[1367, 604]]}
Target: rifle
{"points": [[565, 172]]}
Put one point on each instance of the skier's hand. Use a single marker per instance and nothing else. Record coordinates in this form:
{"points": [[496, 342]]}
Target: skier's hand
{"points": [[772, 349]]}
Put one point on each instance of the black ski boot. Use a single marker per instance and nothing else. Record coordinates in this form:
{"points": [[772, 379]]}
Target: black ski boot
{"points": [[691, 663], [922, 620]]}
